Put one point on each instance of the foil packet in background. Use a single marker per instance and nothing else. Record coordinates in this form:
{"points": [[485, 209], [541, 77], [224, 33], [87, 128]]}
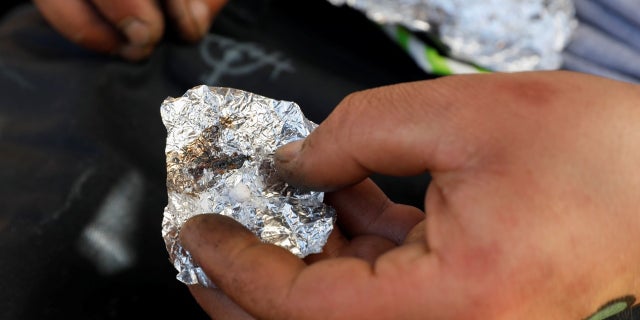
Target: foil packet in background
{"points": [[219, 153], [499, 35]]}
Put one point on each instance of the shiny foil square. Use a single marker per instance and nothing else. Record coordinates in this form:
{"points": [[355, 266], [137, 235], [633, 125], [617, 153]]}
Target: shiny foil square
{"points": [[219, 153]]}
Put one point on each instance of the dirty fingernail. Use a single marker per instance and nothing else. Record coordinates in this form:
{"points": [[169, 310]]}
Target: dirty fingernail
{"points": [[189, 232], [200, 13], [289, 151], [136, 31]]}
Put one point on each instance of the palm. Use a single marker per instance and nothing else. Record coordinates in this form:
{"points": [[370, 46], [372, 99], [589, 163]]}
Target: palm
{"points": [[368, 224]]}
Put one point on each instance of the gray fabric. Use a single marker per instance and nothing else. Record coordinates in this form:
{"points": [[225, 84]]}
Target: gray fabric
{"points": [[607, 39], [629, 9], [608, 21], [576, 63], [596, 46]]}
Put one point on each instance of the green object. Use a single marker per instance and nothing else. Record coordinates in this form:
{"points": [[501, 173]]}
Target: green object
{"points": [[438, 63], [609, 310], [427, 57]]}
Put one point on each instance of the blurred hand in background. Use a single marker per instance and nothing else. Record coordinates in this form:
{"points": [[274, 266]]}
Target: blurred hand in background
{"points": [[128, 28]]}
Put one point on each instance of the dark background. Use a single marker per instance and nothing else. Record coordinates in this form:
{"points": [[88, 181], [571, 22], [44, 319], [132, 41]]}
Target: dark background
{"points": [[82, 142], [82, 166]]}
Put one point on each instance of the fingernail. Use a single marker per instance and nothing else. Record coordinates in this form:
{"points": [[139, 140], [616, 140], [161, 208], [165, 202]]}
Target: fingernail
{"points": [[189, 232], [191, 240], [289, 151], [136, 31], [200, 13]]}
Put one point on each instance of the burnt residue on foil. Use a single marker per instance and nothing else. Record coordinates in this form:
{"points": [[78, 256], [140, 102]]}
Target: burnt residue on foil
{"points": [[219, 153], [196, 158], [500, 35]]}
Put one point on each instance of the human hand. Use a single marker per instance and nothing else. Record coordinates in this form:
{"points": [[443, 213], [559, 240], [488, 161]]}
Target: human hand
{"points": [[532, 211], [129, 28]]}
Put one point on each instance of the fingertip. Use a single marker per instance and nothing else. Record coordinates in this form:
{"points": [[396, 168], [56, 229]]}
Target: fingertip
{"points": [[204, 234], [193, 18], [136, 31], [239, 263], [295, 168], [190, 230], [287, 153], [285, 157], [196, 228], [140, 22], [305, 164], [202, 18]]}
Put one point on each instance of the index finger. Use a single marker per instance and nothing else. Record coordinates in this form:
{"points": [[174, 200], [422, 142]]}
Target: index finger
{"points": [[402, 129], [407, 129]]}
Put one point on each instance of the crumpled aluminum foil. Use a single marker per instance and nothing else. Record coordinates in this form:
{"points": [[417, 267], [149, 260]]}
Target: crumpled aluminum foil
{"points": [[501, 35], [219, 152]]}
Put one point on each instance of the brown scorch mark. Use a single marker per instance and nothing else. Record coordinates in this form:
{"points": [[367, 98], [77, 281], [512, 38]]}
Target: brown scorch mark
{"points": [[185, 168]]}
